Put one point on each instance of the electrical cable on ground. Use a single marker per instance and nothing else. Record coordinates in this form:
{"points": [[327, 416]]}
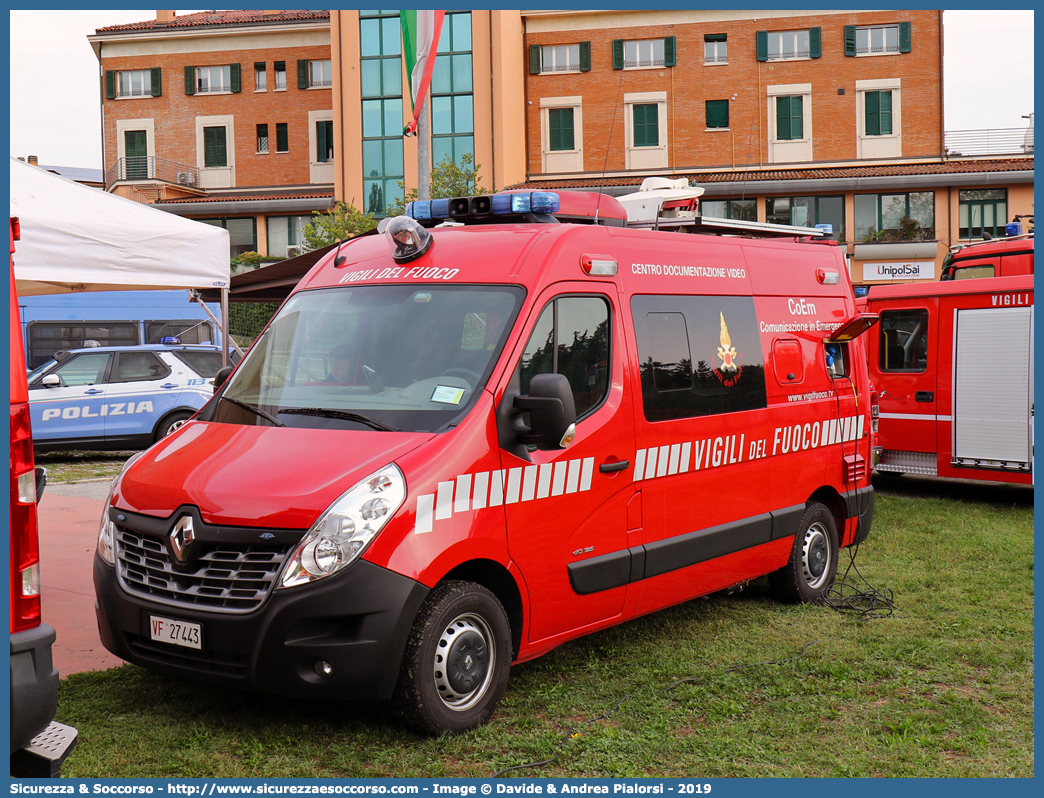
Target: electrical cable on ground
{"points": [[849, 596]]}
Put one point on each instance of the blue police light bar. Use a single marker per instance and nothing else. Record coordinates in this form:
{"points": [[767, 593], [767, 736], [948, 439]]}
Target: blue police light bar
{"points": [[496, 204], [828, 229], [170, 340], [419, 209]]}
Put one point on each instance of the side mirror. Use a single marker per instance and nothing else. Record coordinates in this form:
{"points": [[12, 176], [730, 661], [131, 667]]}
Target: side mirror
{"points": [[221, 377], [552, 414], [41, 482], [51, 381]]}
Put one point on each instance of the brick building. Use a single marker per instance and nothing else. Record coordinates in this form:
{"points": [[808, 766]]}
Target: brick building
{"points": [[224, 116]]}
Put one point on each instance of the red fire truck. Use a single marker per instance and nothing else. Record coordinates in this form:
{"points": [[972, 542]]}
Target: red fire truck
{"points": [[38, 745], [952, 363], [1000, 257], [496, 424]]}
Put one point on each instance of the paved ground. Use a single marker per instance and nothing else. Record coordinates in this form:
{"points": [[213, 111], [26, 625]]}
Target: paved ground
{"points": [[69, 515]]}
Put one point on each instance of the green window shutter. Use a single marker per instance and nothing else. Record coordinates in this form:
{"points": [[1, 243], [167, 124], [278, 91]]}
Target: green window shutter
{"points": [[646, 126], [279, 66], [302, 73], [320, 141], [797, 130], [156, 79], [872, 107], [717, 113], [905, 37], [815, 42], [190, 80], [560, 129], [669, 51], [215, 151], [585, 56], [850, 40], [534, 59], [761, 45], [110, 84], [618, 57], [282, 137], [788, 118], [236, 77], [715, 37], [886, 112]]}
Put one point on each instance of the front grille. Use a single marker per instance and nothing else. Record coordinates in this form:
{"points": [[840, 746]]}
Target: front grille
{"points": [[228, 576], [206, 661]]}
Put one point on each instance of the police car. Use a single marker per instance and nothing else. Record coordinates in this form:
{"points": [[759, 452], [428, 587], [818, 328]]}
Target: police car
{"points": [[118, 397]]}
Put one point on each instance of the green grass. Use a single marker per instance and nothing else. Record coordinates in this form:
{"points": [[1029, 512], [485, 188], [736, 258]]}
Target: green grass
{"points": [[943, 689], [75, 466]]}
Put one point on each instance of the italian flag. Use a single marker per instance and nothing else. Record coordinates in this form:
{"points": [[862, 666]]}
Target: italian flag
{"points": [[420, 38]]}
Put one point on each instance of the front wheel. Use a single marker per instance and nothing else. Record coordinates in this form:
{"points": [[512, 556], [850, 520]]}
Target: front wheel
{"points": [[810, 572], [170, 423], [456, 663]]}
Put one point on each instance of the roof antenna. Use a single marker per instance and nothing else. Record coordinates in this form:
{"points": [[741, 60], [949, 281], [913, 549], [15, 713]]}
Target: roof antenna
{"points": [[608, 143], [339, 259]]}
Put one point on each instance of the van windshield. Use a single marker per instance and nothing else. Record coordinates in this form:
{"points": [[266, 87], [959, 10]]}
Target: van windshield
{"points": [[372, 357]]}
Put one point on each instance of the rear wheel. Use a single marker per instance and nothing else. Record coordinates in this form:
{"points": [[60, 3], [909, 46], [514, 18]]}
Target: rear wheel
{"points": [[171, 423], [810, 572], [457, 658]]}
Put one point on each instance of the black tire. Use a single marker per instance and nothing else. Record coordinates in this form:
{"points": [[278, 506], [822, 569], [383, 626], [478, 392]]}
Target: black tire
{"points": [[170, 423], [810, 572], [457, 659]]}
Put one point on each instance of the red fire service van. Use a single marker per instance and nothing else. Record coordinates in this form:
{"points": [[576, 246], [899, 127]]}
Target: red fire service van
{"points": [[38, 746], [1000, 257], [952, 363], [456, 447]]}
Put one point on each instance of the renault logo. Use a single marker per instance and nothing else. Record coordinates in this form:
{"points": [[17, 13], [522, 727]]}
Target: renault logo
{"points": [[181, 538]]}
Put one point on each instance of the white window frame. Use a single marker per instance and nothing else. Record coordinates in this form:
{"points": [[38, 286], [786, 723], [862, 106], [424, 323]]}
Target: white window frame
{"points": [[889, 145], [560, 161], [709, 60], [645, 157], [123, 125], [636, 47], [261, 79], [868, 30], [226, 74], [790, 150], [324, 66], [146, 83], [319, 171], [797, 56], [550, 57], [279, 74]]}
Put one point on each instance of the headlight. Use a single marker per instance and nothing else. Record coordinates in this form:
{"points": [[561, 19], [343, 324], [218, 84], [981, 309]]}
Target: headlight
{"points": [[346, 528], [106, 530]]}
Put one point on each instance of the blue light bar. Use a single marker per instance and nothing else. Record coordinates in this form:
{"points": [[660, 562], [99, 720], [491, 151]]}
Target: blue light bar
{"points": [[440, 209], [828, 229], [419, 209], [544, 202], [501, 204]]}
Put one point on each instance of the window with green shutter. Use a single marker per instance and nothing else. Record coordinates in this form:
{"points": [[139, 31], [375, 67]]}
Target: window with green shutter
{"points": [[878, 107], [789, 123], [646, 130], [302, 73], [618, 54], [560, 129], [235, 78], [157, 81], [282, 137], [110, 84], [324, 141], [215, 152], [190, 80], [717, 113]]}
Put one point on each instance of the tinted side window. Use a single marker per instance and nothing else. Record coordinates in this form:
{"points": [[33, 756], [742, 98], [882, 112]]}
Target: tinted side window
{"points": [[571, 337], [137, 366], [88, 369], [699, 355], [904, 340], [205, 364]]}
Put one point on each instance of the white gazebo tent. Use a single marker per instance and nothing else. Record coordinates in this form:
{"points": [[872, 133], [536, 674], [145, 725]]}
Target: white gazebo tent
{"points": [[76, 238]]}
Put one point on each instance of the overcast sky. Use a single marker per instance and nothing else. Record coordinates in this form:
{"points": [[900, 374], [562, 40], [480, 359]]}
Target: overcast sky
{"points": [[55, 115]]}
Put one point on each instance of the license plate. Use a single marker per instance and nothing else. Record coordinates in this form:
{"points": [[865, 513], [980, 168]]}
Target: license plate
{"points": [[179, 633]]}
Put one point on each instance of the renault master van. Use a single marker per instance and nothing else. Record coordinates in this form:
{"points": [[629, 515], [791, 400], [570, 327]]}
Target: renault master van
{"points": [[494, 425]]}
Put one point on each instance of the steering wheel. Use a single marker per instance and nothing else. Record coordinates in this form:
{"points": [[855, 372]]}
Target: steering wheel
{"points": [[471, 376]]}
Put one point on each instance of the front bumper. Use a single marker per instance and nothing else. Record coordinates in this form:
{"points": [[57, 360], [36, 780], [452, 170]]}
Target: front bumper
{"points": [[357, 622], [34, 684]]}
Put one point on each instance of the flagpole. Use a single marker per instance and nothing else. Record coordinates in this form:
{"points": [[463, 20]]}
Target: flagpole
{"points": [[423, 154]]}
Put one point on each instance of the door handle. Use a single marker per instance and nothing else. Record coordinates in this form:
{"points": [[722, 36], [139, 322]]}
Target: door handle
{"points": [[608, 468], [169, 385], [93, 391], [924, 396]]}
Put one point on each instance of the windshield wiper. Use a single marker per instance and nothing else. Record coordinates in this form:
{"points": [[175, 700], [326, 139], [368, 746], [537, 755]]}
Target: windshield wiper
{"points": [[255, 410], [373, 423]]}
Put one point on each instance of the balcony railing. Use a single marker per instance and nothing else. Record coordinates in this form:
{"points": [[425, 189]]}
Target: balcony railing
{"points": [[1000, 141], [148, 167]]}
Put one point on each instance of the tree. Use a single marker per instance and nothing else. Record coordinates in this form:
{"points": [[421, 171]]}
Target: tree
{"points": [[343, 222], [448, 179]]}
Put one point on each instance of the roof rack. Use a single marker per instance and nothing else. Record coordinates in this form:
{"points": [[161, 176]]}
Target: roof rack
{"points": [[715, 226]]}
